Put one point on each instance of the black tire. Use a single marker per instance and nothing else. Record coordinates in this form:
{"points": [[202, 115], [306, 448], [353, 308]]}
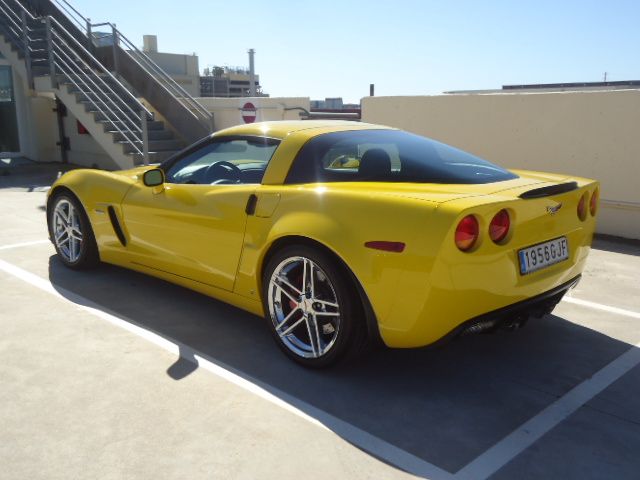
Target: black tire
{"points": [[86, 255], [331, 283]]}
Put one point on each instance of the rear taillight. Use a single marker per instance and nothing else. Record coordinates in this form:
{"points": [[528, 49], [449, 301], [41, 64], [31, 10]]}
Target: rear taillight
{"points": [[499, 226], [593, 204], [582, 207], [467, 233]]}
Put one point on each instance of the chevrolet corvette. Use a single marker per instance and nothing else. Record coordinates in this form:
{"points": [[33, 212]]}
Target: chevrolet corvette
{"points": [[341, 234]]}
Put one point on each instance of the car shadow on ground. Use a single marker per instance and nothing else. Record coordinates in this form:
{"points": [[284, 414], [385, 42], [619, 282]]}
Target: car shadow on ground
{"points": [[446, 405]]}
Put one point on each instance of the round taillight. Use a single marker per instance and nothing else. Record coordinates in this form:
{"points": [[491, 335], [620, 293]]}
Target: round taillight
{"points": [[499, 226], [593, 204], [582, 207], [467, 233]]}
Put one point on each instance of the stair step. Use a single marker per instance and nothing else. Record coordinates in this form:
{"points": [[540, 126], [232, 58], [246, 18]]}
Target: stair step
{"points": [[115, 115], [102, 79], [117, 106], [124, 105], [153, 135], [83, 87], [120, 122], [152, 125]]}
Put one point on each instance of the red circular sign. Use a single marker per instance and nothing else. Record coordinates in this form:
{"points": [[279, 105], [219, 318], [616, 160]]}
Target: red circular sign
{"points": [[248, 112]]}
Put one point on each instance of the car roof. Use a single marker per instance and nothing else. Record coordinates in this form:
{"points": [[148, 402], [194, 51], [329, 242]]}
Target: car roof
{"points": [[283, 128]]}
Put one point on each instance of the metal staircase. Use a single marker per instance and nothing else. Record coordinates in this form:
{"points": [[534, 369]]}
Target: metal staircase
{"points": [[115, 92]]}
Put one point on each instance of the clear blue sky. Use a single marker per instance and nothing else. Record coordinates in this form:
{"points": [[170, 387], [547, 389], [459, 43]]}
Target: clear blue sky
{"points": [[405, 47]]}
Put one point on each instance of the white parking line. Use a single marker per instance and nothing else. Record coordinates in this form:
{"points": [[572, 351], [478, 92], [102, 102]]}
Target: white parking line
{"points": [[523, 437], [604, 308], [358, 437], [25, 244], [482, 467]]}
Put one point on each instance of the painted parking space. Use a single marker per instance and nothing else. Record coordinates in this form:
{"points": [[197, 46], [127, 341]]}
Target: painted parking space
{"points": [[431, 412]]}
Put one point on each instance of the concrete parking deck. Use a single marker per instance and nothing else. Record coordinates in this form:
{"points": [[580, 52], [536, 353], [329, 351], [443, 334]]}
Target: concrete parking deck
{"points": [[112, 374]]}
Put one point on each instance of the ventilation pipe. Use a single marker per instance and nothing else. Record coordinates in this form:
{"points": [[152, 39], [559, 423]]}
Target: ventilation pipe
{"points": [[252, 74]]}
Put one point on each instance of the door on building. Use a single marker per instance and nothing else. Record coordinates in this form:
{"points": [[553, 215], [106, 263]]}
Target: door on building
{"points": [[9, 138]]}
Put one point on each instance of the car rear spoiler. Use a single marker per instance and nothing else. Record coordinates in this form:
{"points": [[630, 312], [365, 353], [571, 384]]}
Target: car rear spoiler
{"points": [[549, 191]]}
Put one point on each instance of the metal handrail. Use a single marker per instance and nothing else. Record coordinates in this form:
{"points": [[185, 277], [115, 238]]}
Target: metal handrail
{"points": [[71, 13], [17, 31], [11, 30], [100, 90], [97, 92], [15, 21], [68, 70], [101, 67], [81, 69], [69, 74], [170, 85], [24, 9], [170, 81], [76, 66]]}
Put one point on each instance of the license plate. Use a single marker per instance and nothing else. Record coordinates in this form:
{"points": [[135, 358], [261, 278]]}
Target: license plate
{"points": [[543, 255]]}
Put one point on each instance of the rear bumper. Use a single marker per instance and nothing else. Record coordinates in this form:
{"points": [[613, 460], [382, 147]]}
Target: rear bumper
{"points": [[518, 312]]}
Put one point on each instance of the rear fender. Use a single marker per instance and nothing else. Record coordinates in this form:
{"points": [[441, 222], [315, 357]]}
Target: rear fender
{"points": [[342, 224]]}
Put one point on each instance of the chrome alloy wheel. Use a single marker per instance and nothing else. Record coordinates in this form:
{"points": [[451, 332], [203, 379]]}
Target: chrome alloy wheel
{"points": [[67, 230], [303, 307]]}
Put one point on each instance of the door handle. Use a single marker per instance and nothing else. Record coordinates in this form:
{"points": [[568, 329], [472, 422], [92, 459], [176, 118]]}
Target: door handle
{"points": [[250, 209]]}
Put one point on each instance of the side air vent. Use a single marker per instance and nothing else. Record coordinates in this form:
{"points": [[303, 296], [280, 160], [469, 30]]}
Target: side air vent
{"points": [[550, 190], [116, 225]]}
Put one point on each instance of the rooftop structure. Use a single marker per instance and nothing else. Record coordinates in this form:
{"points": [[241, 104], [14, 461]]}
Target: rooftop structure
{"points": [[556, 87], [228, 82], [183, 68]]}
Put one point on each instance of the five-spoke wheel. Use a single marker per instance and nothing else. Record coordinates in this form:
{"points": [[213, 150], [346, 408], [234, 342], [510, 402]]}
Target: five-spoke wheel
{"points": [[312, 306], [67, 232], [71, 232]]}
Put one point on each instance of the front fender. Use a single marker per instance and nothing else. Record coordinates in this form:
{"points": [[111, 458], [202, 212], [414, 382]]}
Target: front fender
{"points": [[97, 190]]}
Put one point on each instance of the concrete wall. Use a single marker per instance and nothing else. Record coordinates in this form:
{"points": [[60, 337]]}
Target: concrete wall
{"points": [[182, 68], [227, 111], [589, 134], [83, 148], [38, 124], [45, 129]]}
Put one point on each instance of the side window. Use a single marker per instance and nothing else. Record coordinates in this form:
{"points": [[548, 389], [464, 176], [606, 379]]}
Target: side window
{"points": [[388, 156], [224, 161]]}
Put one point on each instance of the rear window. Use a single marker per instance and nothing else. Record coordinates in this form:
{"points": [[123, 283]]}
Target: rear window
{"points": [[388, 156]]}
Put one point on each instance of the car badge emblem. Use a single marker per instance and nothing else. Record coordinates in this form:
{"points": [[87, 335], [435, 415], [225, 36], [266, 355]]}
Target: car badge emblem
{"points": [[554, 210]]}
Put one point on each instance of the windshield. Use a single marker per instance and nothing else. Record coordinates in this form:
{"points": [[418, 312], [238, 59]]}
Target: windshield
{"points": [[388, 156]]}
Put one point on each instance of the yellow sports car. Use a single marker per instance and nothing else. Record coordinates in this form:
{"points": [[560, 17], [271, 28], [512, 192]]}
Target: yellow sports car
{"points": [[340, 233]]}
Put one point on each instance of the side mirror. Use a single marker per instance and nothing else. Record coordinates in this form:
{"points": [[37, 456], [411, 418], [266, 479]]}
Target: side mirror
{"points": [[153, 177]]}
